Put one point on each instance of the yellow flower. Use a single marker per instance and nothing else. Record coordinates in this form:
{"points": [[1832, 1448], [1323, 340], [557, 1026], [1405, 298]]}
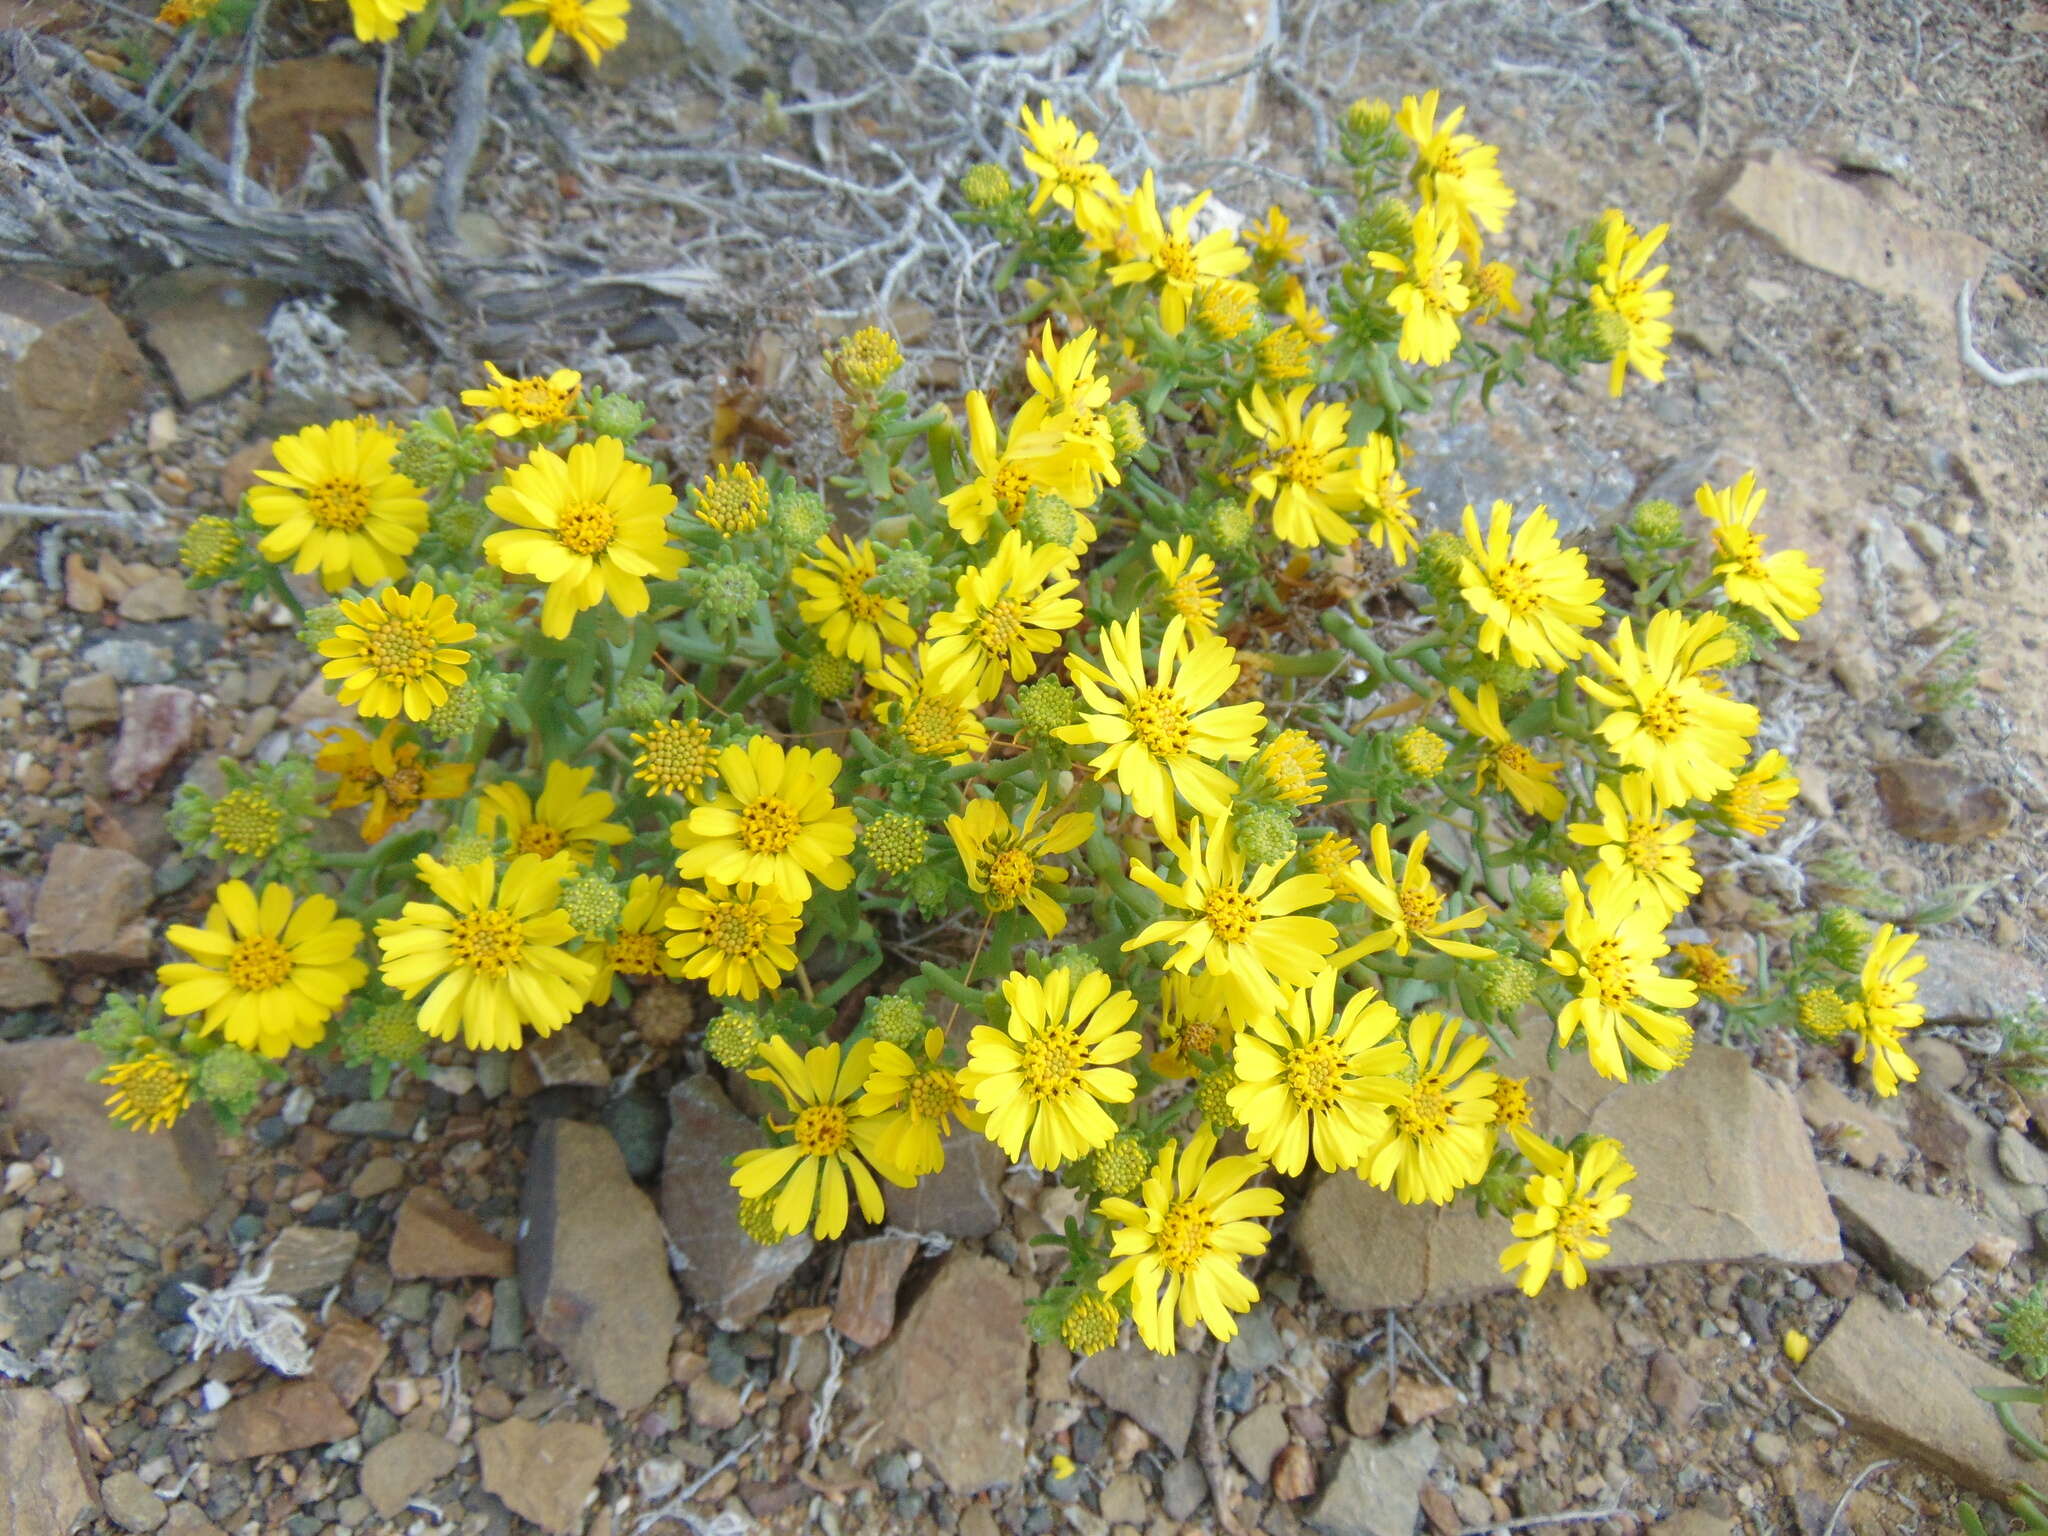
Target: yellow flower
{"points": [[1161, 737], [1062, 157], [637, 948], [1242, 929], [1643, 856], [1064, 376], [773, 822], [1667, 714], [1168, 252], [1384, 497], [1611, 951], [1505, 761], [182, 13], [830, 1145], [267, 973], [388, 774], [1305, 464], [1887, 1008], [676, 758], [736, 939], [150, 1090], [1274, 242], [336, 505], [1410, 906], [1036, 454], [1289, 768], [569, 817], [932, 713], [526, 405], [1005, 864], [1625, 289], [1194, 1020], [1529, 590], [732, 499], [378, 21], [595, 26], [1510, 1104], [852, 621], [395, 652], [1715, 974], [1782, 587], [1178, 1247], [591, 526], [1755, 803], [1433, 293], [919, 1100], [1573, 1205], [1283, 355], [1009, 612], [1796, 1346], [1043, 1080], [1308, 1080], [1306, 317], [1328, 856], [1227, 308], [1493, 292], [493, 950], [1193, 593], [1439, 1131], [1455, 171]]}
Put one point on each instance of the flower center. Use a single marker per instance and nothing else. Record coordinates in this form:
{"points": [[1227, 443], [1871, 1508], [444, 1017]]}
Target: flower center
{"points": [[1303, 465], [1000, 624], [736, 930], [1177, 260], [1510, 1102], [768, 826], [1515, 585], [932, 726], [586, 527], [1189, 600], [489, 941], [1232, 915], [1575, 1223], [1604, 961], [339, 504], [533, 398], [1513, 757], [1664, 717], [1419, 905], [401, 648], [933, 1095], [636, 954], [402, 787], [1644, 850], [259, 963], [1184, 1237], [1742, 547], [860, 602], [537, 837], [1011, 873], [1011, 484], [1314, 1074], [1425, 1113], [1160, 722], [1050, 1062], [821, 1130]]}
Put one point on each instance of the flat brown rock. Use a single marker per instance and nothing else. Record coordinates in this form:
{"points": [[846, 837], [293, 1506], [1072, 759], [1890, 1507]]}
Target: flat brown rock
{"points": [[285, 1416], [542, 1472], [46, 1483], [348, 1358], [432, 1240], [89, 909], [865, 1309]]}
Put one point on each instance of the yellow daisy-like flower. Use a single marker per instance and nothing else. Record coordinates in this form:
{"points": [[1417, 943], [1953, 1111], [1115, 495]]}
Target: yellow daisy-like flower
{"points": [[591, 526], [1239, 927], [1493, 292], [1283, 355], [535, 404], [1611, 947], [1305, 464], [1227, 309], [150, 1090], [1573, 1205], [1062, 157], [1715, 974], [1193, 594], [637, 949], [852, 621], [1755, 803], [919, 1098], [1667, 715], [1064, 375], [1194, 1021], [397, 652], [933, 713], [1328, 856], [1505, 761], [1432, 293], [1005, 863], [494, 951], [1781, 587], [1274, 242], [1642, 852], [1624, 288], [1530, 591], [830, 1145], [1043, 1080], [1887, 1008], [1178, 1247], [336, 505], [1308, 1081], [1511, 1108], [773, 822], [1289, 768], [1455, 171], [266, 972], [1410, 906], [676, 757], [1439, 1128], [738, 940], [378, 21], [595, 26], [1383, 496], [1036, 454], [1168, 252], [568, 817], [1162, 736], [390, 775], [1306, 317], [1009, 612]]}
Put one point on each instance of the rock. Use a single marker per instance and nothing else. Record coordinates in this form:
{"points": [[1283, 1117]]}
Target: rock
{"points": [[1511, 452], [434, 1241], [1673, 1390], [1294, 1473], [160, 1183], [952, 1384], [46, 1479], [542, 1472], [1366, 1401], [1942, 1064], [89, 911], [1854, 1129], [1376, 1489], [2019, 1159], [185, 1520], [1415, 1399], [1257, 1346], [131, 1503], [206, 326], [1159, 1392], [870, 1271], [724, 1271], [1201, 38], [157, 600], [713, 1405], [2012, 1206], [1905, 1386], [130, 661], [157, 725], [1725, 1173], [1970, 982], [130, 1362], [34, 1306], [963, 1199], [348, 1357], [1183, 1489], [1126, 1499], [308, 1261], [1914, 1238], [407, 1464], [1695, 1522], [91, 701], [379, 1176], [1931, 802], [566, 1059], [1257, 1438], [25, 982], [284, 1416], [295, 101], [638, 1122], [69, 376], [593, 1264], [384, 1119]]}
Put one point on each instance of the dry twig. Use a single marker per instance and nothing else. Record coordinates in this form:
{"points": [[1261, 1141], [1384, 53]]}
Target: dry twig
{"points": [[1976, 361]]}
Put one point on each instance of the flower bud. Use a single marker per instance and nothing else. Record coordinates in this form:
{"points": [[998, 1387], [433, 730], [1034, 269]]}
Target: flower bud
{"points": [[730, 593], [248, 822], [1048, 519], [1127, 429], [1606, 334], [986, 186], [320, 624], [1841, 937], [231, 1079], [1823, 1012], [618, 416], [641, 701], [460, 714], [894, 842], [829, 676], [461, 849], [733, 1039], [1046, 705], [1265, 833], [1506, 983], [868, 358], [1091, 1323], [1438, 563], [593, 904], [897, 1019], [799, 519], [1229, 525], [210, 548], [757, 1220], [733, 498], [1422, 752], [1542, 899], [425, 457], [1658, 522], [390, 1034], [904, 573], [1212, 1098], [1369, 115], [1119, 1166]]}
